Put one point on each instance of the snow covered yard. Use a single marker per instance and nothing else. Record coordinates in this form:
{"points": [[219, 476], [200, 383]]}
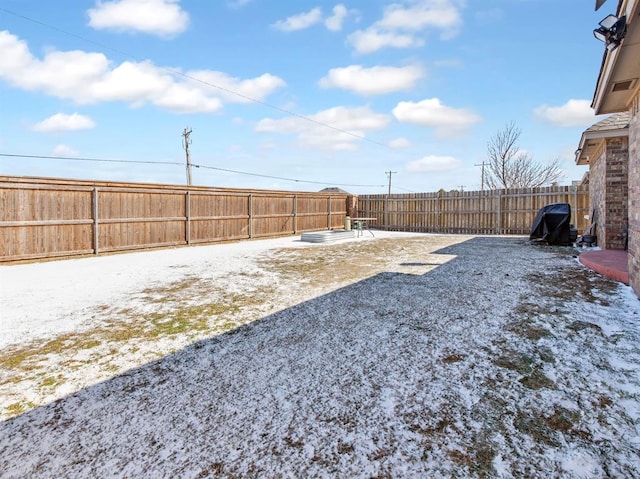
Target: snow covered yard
{"points": [[399, 356]]}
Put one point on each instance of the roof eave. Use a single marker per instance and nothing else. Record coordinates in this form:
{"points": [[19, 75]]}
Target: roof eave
{"points": [[581, 153]]}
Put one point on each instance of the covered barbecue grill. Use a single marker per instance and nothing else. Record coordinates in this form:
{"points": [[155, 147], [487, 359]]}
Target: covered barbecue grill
{"points": [[551, 225]]}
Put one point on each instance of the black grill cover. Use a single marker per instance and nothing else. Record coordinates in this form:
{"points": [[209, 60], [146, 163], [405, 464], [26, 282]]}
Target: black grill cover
{"points": [[552, 224]]}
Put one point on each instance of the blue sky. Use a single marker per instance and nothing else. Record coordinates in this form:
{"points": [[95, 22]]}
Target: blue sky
{"points": [[326, 92]]}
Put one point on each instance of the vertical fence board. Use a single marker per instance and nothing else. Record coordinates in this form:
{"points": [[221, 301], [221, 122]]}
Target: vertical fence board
{"points": [[96, 222]]}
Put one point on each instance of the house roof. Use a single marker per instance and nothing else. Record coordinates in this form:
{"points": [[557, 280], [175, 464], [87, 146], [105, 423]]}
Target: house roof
{"points": [[616, 125], [617, 121], [334, 189], [619, 77]]}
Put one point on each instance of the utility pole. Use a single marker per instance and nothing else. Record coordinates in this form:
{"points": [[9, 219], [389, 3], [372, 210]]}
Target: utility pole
{"points": [[482, 165], [386, 205], [186, 141], [461, 188]]}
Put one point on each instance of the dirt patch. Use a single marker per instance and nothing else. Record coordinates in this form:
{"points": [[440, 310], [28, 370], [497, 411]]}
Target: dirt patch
{"points": [[536, 379], [578, 326], [453, 358], [529, 331], [516, 361], [550, 429]]}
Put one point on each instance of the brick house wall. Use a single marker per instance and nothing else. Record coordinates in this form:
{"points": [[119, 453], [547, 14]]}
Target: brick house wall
{"points": [[597, 193], [608, 186], [617, 183], [634, 193]]}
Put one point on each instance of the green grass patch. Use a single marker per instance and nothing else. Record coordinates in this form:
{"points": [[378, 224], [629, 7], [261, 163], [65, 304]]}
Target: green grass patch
{"points": [[19, 407], [51, 381]]}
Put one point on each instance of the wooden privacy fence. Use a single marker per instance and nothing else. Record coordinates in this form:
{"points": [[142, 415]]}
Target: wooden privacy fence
{"points": [[45, 218], [473, 212]]}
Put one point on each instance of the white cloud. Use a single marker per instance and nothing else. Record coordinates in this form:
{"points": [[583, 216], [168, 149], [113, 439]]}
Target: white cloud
{"points": [[186, 99], [88, 78], [371, 40], [572, 113], [334, 23], [347, 126], [64, 150], [258, 87], [433, 164], [447, 121], [399, 143], [62, 122], [300, 21], [313, 17], [156, 17], [377, 80], [402, 23], [417, 15]]}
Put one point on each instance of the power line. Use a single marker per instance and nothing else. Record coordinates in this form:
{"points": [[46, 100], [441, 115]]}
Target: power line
{"points": [[403, 189], [185, 75], [100, 160], [281, 177], [206, 167]]}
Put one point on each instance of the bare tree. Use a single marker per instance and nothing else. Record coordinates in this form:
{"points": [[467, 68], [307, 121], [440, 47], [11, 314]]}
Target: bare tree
{"points": [[508, 167]]}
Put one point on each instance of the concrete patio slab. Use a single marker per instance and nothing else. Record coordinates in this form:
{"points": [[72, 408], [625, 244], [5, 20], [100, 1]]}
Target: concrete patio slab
{"points": [[608, 262]]}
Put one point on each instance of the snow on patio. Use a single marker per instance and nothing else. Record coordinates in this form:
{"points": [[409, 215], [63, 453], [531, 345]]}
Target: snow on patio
{"points": [[399, 356]]}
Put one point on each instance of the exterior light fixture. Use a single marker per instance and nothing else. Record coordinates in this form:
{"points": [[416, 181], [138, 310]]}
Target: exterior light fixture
{"points": [[611, 31]]}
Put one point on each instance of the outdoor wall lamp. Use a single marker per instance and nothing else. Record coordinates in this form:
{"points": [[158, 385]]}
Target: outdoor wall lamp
{"points": [[611, 31]]}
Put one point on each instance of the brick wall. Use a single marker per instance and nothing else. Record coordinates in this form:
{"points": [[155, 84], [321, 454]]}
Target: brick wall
{"points": [[608, 184], [617, 156], [597, 193], [634, 194]]}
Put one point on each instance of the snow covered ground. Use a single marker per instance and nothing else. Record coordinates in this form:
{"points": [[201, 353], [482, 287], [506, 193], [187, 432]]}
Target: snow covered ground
{"points": [[399, 356]]}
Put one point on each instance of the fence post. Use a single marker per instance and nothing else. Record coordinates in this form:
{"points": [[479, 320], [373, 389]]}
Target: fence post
{"points": [[499, 212], [295, 214], [96, 231], [438, 212], [329, 213], [250, 215], [187, 212], [575, 206]]}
